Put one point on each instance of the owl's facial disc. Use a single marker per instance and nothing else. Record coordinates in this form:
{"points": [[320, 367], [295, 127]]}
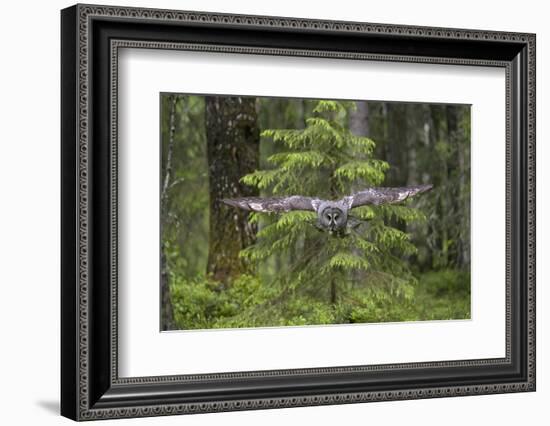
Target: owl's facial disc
{"points": [[333, 218]]}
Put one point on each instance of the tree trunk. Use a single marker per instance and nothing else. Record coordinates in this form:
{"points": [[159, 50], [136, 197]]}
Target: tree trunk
{"points": [[459, 200], [333, 294], [167, 312], [411, 140], [359, 119], [439, 117], [395, 155], [233, 138], [464, 167], [430, 173]]}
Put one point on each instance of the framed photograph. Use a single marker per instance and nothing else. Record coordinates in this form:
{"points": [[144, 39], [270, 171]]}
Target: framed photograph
{"points": [[263, 212]]}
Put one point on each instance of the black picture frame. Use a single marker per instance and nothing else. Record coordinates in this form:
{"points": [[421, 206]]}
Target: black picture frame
{"points": [[90, 386]]}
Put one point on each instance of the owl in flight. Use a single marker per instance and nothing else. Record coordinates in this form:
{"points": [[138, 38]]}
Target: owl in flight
{"points": [[332, 216]]}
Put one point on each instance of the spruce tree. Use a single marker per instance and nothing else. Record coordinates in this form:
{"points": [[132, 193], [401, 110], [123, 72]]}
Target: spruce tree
{"points": [[323, 278]]}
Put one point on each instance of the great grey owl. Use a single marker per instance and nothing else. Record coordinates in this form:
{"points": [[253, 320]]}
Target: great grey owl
{"points": [[332, 216]]}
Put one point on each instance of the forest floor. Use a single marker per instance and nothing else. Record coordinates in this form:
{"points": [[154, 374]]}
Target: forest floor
{"points": [[442, 295]]}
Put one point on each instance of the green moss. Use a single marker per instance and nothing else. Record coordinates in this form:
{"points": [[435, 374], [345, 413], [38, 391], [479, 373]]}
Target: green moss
{"points": [[202, 303]]}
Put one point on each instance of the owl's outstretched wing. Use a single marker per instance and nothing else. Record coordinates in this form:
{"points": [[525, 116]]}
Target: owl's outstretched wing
{"points": [[274, 204], [377, 196]]}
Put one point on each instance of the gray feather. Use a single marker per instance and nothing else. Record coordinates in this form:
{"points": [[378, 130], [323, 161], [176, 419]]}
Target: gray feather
{"points": [[377, 196], [273, 204]]}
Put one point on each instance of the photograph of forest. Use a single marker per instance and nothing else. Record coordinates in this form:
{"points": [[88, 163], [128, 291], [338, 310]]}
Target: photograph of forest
{"points": [[232, 264]]}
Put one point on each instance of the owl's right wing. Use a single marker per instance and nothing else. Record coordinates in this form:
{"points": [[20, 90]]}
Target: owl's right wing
{"points": [[274, 204], [377, 196]]}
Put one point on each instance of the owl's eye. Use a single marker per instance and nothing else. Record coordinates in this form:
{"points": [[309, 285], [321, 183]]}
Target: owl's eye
{"points": [[335, 216]]}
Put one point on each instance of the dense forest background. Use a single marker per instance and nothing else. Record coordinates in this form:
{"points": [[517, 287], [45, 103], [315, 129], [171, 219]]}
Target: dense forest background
{"points": [[223, 268]]}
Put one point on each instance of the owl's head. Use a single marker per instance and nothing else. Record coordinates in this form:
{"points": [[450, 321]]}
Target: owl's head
{"points": [[332, 216]]}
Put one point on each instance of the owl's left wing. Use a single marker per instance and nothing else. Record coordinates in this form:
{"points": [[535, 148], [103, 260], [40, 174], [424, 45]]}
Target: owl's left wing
{"points": [[274, 204], [377, 196]]}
